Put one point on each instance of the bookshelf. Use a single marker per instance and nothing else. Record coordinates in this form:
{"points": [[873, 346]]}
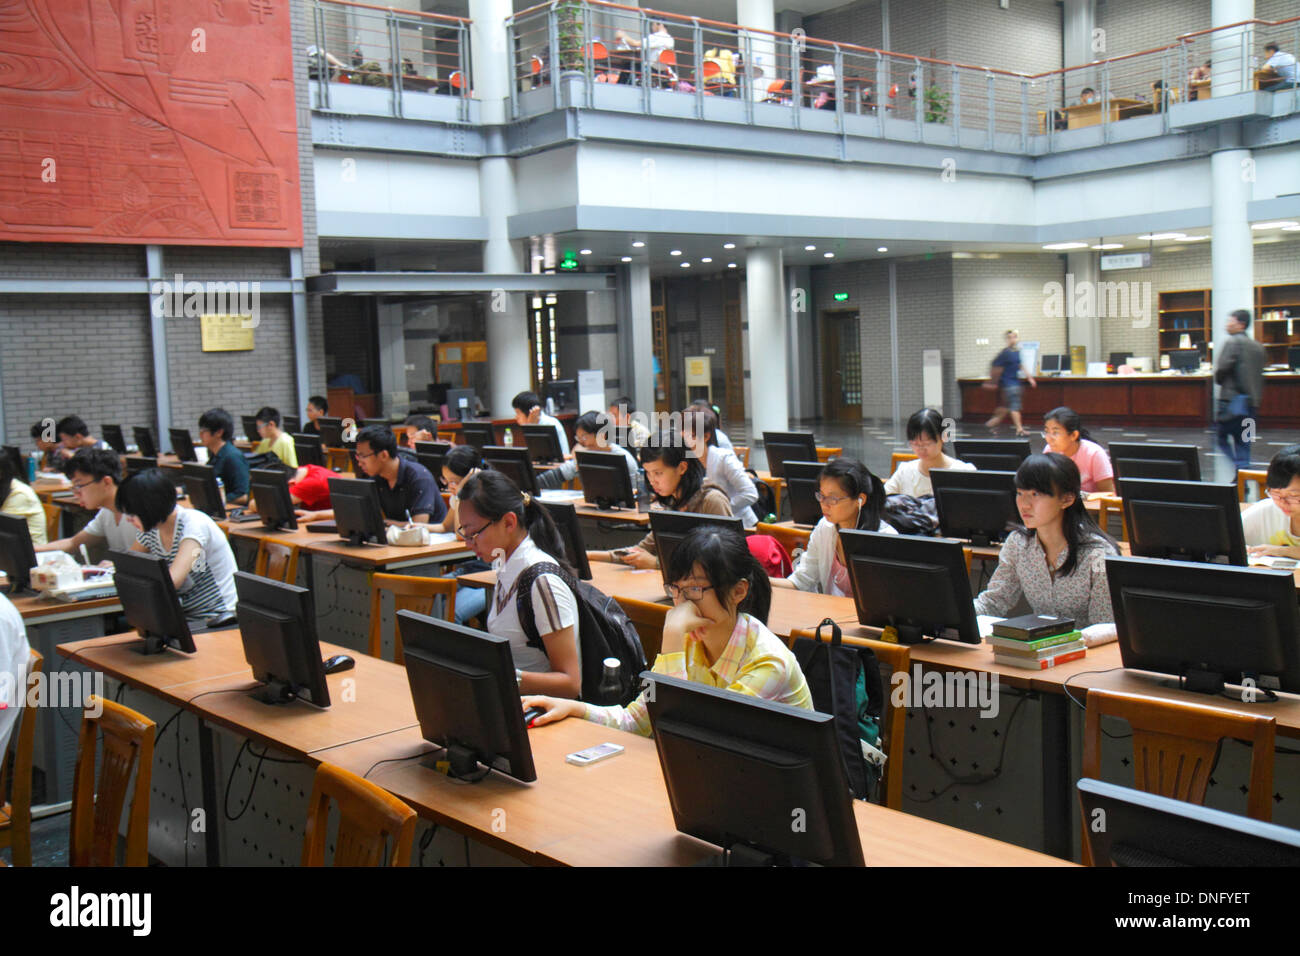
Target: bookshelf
{"points": [[1277, 320], [1185, 313]]}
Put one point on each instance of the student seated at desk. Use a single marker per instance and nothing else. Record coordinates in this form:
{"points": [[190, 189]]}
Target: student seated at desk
{"points": [[318, 407], [591, 431], [1057, 561], [528, 411], [925, 436], [19, 500], [851, 497], [74, 435], [1065, 435], [94, 474], [14, 655], [509, 528], [273, 440], [1272, 524], [47, 443], [420, 428], [722, 467], [621, 414], [723, 441], [215, 430], [677, 479], [462, 463], [406, 488], [715, 635], [201, 562]]}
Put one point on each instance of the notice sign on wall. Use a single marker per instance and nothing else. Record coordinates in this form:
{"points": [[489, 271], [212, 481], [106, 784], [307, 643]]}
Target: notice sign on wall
{"points": [[227, 333]]}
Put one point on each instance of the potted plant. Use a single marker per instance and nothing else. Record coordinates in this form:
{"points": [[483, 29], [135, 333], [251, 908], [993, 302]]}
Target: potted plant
{"points": [[569, 33], [936, 104]]}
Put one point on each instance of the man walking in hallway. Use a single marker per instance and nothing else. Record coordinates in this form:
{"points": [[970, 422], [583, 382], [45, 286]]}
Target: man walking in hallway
{"points": [[1007, 374], [1239, 373]]}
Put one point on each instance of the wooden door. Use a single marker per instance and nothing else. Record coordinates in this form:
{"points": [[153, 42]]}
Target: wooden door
{"points": [[841, 366]]}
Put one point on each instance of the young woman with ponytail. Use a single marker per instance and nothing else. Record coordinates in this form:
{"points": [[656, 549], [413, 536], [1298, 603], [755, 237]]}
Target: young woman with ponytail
{"points": [[1065, 435], [511, 531]]}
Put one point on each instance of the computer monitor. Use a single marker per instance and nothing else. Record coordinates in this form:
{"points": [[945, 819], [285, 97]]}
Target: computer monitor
{"points": [[979, 506], [182, 444], [543, 443], [466, 698], [139, 463], [113, 435], [563, 393], [1293, 358], [144, 442], [438, 394], [566, 519], [432, 454], [991, 454], [149, 602], [250, 427], [802, 481], [331, 432], [1146, 829], [1183, 520], [269, 490], [920, 586], [462, 403], [479, 434], [309, 449], [1207, 624], [277, 625], [788, 446], [670, 527], [200, 483], [1155, 460], [1116, 360], [17, 555], [515, 464], [735, 766], [357, 511], [1185, 360], [605, 481], [1049, 363]]}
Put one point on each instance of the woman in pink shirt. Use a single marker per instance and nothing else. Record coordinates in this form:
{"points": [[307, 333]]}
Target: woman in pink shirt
{"points": [[1067, 436]]}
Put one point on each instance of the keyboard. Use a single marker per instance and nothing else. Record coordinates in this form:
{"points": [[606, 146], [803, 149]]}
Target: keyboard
{"points": [[242, 517], [322, 527]]}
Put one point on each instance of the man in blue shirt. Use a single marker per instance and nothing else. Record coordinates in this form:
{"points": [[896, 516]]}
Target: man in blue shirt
{"points": [[405, 487], [228, 463], [1006, 374]]}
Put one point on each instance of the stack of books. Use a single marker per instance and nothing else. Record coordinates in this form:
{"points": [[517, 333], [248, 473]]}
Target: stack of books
{"points": [[1036, 641]]}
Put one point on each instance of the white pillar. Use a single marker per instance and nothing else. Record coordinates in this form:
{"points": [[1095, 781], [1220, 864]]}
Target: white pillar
{"points": [[1084, 330], [641, 386], [765, 309], [760, 15], [509, 359], [1231, 50], [489, 58]]}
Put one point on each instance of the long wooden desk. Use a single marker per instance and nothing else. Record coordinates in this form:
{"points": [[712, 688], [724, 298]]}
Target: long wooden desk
{"points": [[367, 555]]}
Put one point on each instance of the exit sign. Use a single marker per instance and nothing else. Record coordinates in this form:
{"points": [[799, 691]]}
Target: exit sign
{"points": [[841, 297]]}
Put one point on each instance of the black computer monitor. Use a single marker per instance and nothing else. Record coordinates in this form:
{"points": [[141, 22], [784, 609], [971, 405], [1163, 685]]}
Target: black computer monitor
{"points": [[139, 463], [802, 482], [1145, 829], [277, 625], [563, 393], [269, 490], [979, 506], [669, 527], [543, 443], [515, 464], [149, 601], [1293, 358], [734, 766], [605, 481], [1183, 520], [291, 423], [331, 432], [566, 519], [144, 442], [1155, 460], [309, 449], [788, 446], [918, 585], [250, 427], [991, 454], [200, 483], [357, 510], [432, 454], [1050, 363], [438, 394], [1116, 360], [462, 403], [1207, 624], [17, 555], [1185, 360], [182, 444], [479, 434], [466, 698], [113, 435]]}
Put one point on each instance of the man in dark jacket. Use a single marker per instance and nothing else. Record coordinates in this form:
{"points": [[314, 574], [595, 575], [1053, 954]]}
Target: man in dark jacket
{"points": [[1239, 373]]}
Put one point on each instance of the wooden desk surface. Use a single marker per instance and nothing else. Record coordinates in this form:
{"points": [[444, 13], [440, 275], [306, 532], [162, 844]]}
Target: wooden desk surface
{"points": [[36, 608], [368, 555], [585, 510], [46, 488]]}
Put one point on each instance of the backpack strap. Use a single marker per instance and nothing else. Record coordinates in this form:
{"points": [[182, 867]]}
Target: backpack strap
{"points": [[524, 598]]}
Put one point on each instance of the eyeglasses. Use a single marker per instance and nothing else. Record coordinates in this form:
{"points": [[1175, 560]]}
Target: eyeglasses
{"points": [[1277, 495], [469, 538], [361, 456], [84, 484], [691, 592], [831, 500]]}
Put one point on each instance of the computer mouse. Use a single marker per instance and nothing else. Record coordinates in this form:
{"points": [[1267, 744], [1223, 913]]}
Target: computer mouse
{"points": [[531, 714], [339, 662]]}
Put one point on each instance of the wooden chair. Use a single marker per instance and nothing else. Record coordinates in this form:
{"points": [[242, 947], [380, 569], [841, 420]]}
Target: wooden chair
{"points": [[1244, 477], [97, 807], [893, 659], [16, 813], [1175, 746], [648, 619], [53, 520], [897, 458], [775, 485], [277, 560], [409, 594], [368, 817], [339, 459], [826, 454], [790, 538], [1105, 508], [742, 452]]}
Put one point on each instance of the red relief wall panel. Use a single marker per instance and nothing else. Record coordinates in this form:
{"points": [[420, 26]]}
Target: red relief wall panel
{"points": [[134, 121]]}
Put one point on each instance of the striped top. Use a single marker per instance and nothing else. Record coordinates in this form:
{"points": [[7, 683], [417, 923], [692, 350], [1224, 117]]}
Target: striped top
{"points": [[210, 587]]}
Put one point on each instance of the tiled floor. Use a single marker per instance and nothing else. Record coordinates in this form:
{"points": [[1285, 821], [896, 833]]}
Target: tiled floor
{"points": [[49, 841]]}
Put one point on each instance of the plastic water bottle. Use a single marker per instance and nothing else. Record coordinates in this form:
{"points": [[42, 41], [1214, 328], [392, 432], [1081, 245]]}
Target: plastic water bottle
{"points": [[33, 465], [510, 437], [611, 684]]}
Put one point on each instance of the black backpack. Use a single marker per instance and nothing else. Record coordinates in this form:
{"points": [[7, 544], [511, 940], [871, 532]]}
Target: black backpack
{"points": [[766, 506], [603, 630]]}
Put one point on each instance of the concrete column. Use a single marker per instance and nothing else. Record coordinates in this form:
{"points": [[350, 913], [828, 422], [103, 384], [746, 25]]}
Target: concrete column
{"points": [[489, 58], [1084, 330], [760, 15], [162, 387], [301, 345], [1232, 264], [1231, 50], [802, 375], [636, 337], [509, 360], [1080, 20], [766, 309]]}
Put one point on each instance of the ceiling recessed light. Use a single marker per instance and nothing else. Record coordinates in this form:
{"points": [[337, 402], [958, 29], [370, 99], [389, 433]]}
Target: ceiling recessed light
{"points": [[1280, 224], [828, 255], [1108, 245], [882, 248], [1295, 228], [706, 259], [1191, 238], [638, 244], [1158, 236], [1066, 245], [584, 252], [728, 245], [539, 258], [731, 265], [686, 265], [809, 248], [627, 258], [675, 252]]}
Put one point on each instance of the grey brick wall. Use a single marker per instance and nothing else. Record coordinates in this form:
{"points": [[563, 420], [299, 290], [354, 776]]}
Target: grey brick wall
{"points": [[1134, 25], [1026, 37], [205, 262], [852, 23], [993, 295], [31, 260]]}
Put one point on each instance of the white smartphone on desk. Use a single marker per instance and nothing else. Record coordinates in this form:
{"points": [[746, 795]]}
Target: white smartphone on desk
{"points": [[594, 754]]}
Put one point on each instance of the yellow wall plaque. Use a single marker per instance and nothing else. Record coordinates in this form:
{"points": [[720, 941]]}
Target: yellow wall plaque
{"points": [[227, 333]]}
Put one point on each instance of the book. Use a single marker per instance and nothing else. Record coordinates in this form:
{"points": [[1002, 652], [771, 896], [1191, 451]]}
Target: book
{"points": [[1014, 644], [1030, 663], [1030, 627], [1042, 653]]}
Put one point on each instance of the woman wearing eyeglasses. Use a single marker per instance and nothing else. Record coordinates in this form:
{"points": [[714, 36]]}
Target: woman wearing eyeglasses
{"points": [[1272, 524], [511, 530], [851, 497], [715, 635], [925, 436], [1065, 435]]}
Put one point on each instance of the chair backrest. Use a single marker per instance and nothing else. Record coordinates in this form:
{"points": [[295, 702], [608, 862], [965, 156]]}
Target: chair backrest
{"points": [[97, 806], [792, 539], [897, 458], [368, 817], [668, 58], [648, 619], [277, 560], [742, 452], [52, 515], [825, 454], [536, 65], [409, 594], [16, 829], [893, 659], [1245, 476], [711, 69]]}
